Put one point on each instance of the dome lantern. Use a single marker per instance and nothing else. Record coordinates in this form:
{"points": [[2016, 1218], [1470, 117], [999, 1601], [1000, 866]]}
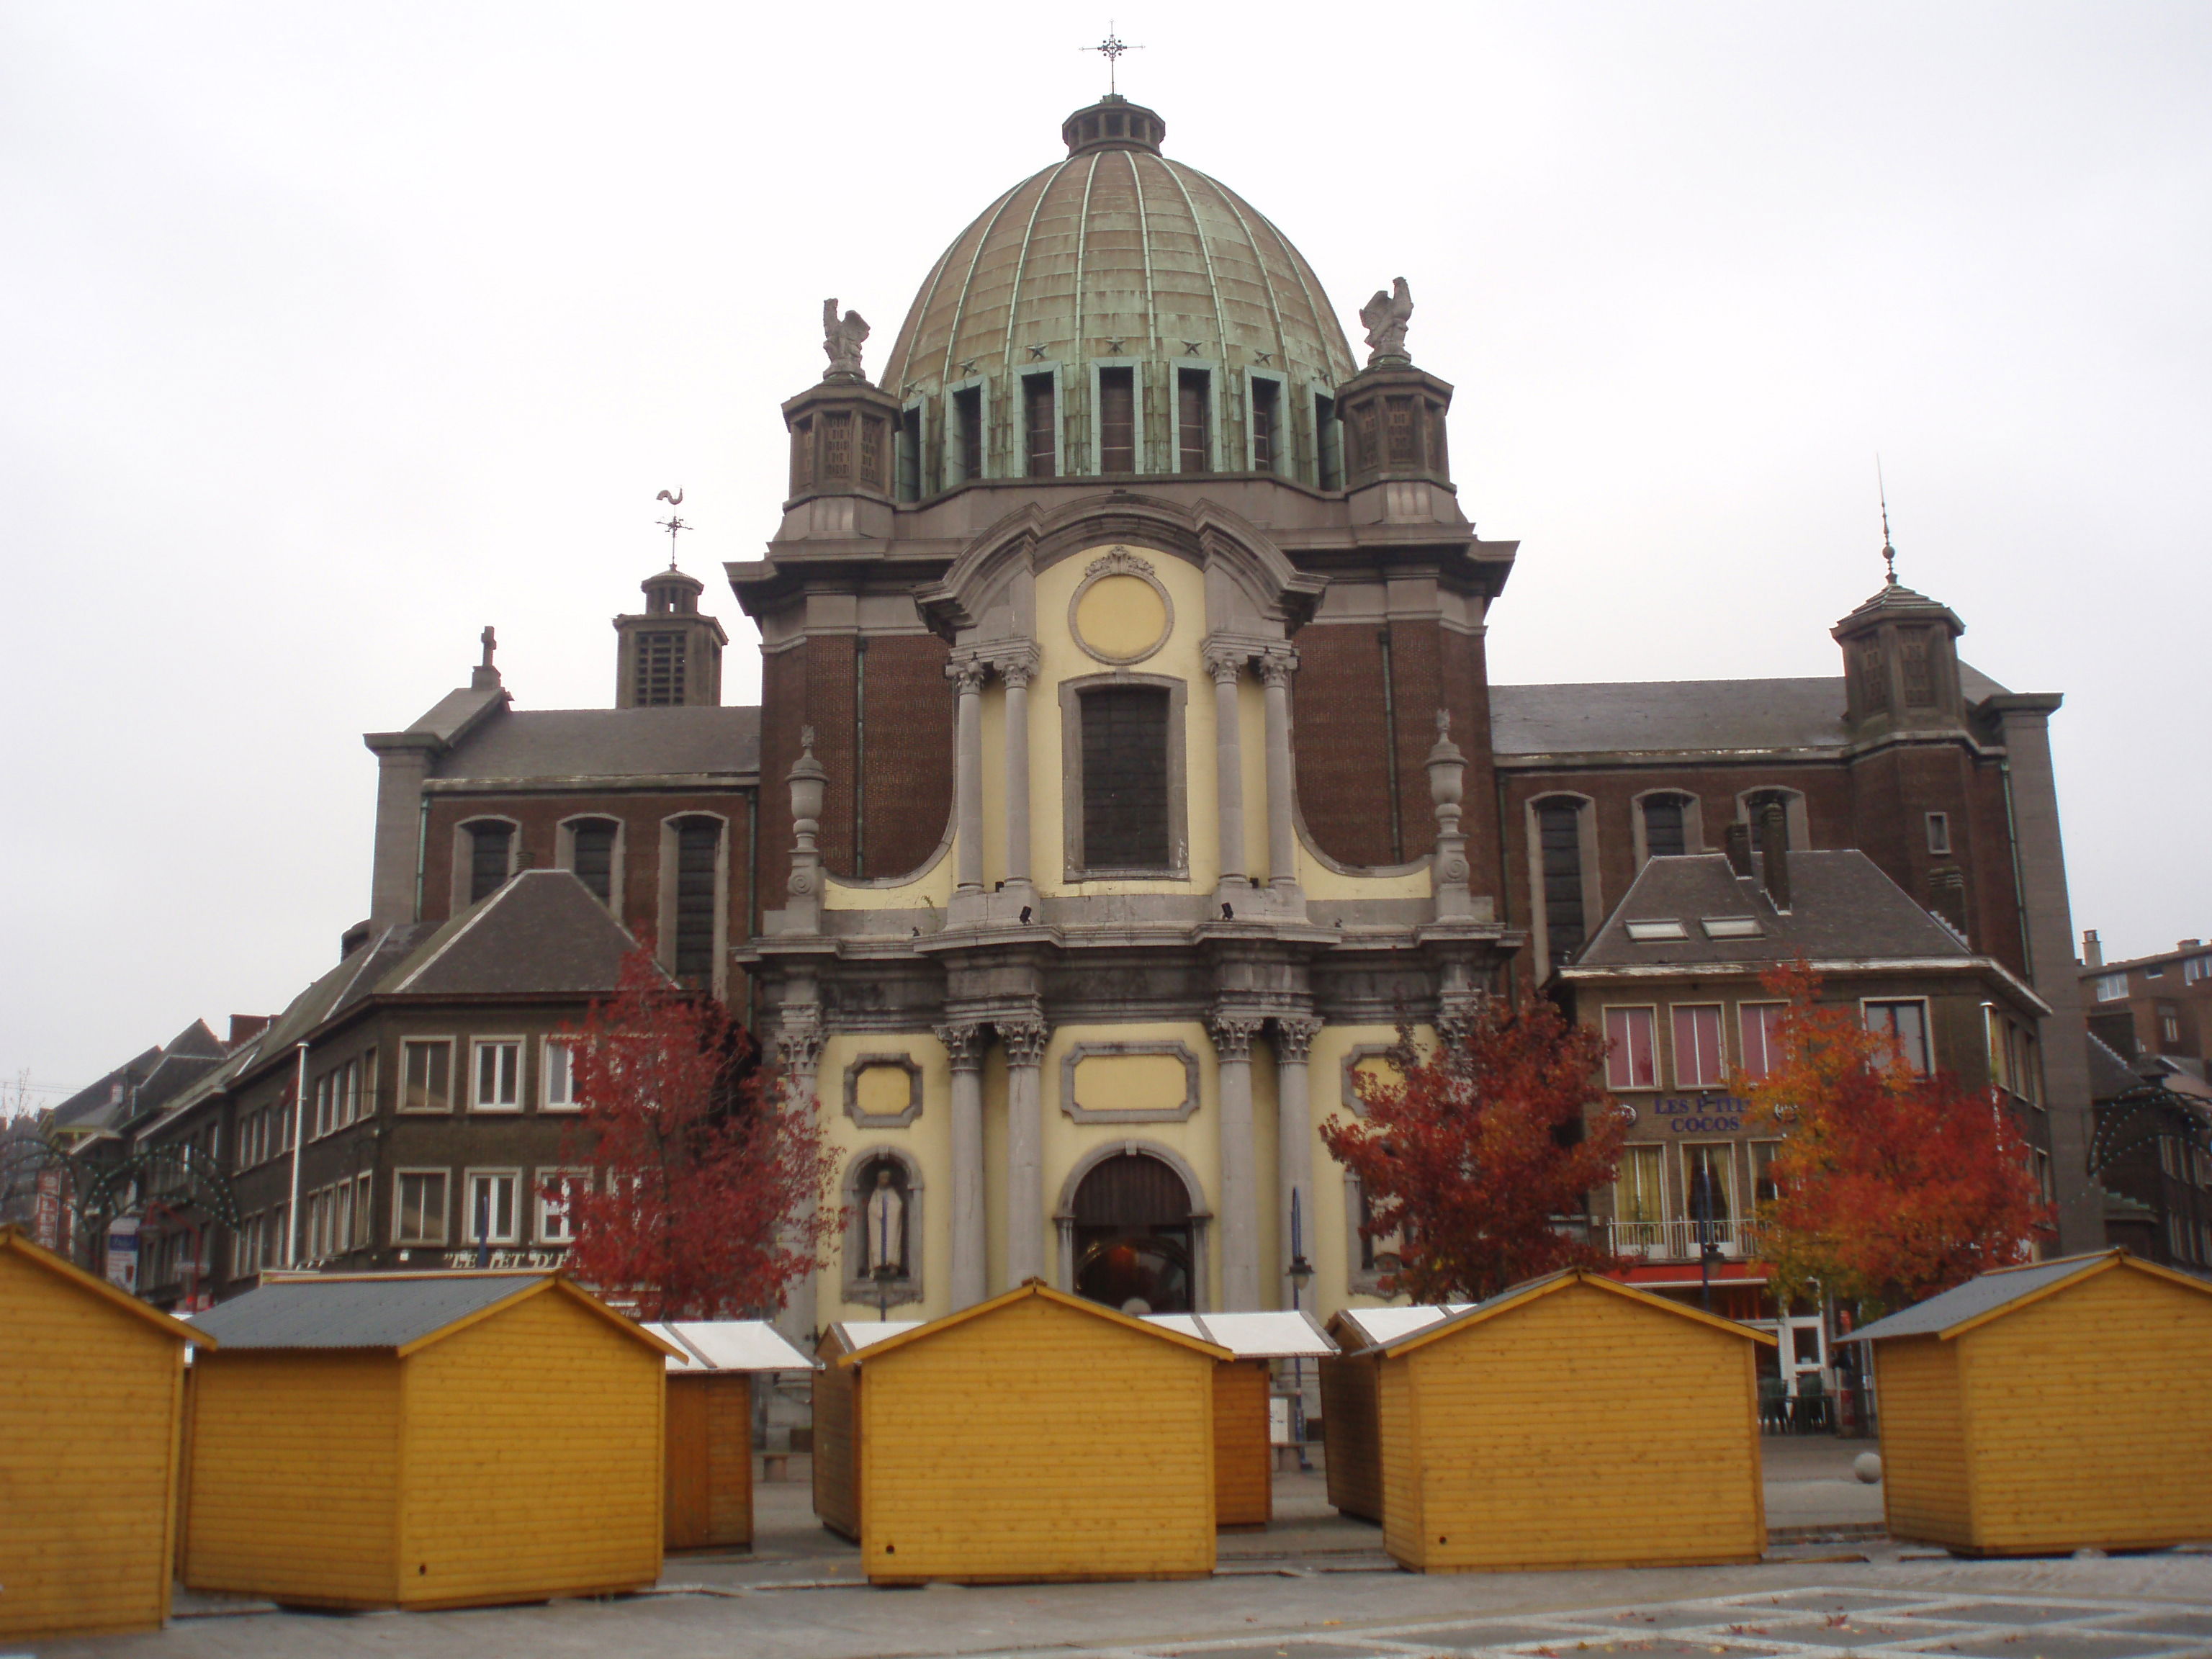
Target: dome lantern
{"points": [[1113, 122]]}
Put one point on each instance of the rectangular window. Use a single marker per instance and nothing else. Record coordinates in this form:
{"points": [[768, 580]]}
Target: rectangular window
{"points": [[1328, 445], [968, 433], [2169, 1025], [1125, 778], [1698, 1061], [554, 1187], [426, 1074], [1117, 420], [1194, 420], [1939, 832], [698, 849], [559, 1071], [1760, 1026], [592, 850], [342, 1218], [419, 1216], [352, 1092], [490, 854], [489, 1217], [2111, 987], [2154, 970], [1763, 1187], [1709, 1184], [499, 1076], [1904, 1028], [364, 1192], [1267, 432], [1637, 1195], [1632, 1061], [2195, 969], [1040, 427]]}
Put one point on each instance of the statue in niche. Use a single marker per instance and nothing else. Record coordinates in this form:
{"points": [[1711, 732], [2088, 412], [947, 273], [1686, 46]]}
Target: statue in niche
{"points": [[1386, 316], [883, 1219], [842, 340]]}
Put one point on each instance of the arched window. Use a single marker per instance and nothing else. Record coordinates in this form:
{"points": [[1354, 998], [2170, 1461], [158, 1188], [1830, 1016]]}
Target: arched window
{"points": [[491, 856], [1751, 807], [698, 845], [1564, 907], [592, 843], [1133, 1237]]}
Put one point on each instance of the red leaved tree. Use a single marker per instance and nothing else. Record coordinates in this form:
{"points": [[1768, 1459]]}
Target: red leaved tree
{"points": [[1473, 1150], [707, 1195], [1892, 1185]]}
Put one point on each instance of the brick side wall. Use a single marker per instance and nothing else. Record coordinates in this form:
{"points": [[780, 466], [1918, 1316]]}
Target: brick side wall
{"points": [[1337, 721], [909, 761]]}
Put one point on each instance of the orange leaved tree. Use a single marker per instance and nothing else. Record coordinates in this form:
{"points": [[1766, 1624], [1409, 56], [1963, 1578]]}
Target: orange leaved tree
{"points": [[1890, 1184], [707, 1189], [1474, 1150]]}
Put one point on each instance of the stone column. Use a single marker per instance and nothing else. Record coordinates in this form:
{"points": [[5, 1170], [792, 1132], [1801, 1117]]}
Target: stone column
{"points": [[1293, 1142], [1016, 672], [798, 1051], [1239, 1200], [1226, 665], [963, 1045], [1275, 669], [968, 775], [1026, 1244]]}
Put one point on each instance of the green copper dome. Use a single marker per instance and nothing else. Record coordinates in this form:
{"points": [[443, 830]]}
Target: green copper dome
{"points": [[1117, 253]]}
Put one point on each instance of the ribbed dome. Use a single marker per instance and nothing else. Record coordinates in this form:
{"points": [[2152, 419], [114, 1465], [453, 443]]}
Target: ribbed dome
{"points": [[1117, 253]]}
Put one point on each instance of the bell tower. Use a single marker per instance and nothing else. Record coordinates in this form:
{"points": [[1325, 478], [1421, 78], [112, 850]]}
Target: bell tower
{"points": [[671, 656], [1901, 663]]}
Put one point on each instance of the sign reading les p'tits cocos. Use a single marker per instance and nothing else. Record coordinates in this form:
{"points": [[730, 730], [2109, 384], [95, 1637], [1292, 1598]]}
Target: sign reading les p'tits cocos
{"points": [[1701, 1114]]}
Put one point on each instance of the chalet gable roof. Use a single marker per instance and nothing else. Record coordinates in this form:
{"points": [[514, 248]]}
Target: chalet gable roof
{"points": [[13, 1242], [399, 1312], [2007, 1289], [1041, 1291], [1515, 1296]]}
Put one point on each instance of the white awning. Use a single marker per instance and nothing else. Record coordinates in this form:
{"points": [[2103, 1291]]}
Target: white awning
{"points": [[730, 1345], [1379, 1325], [1253, 1335]]}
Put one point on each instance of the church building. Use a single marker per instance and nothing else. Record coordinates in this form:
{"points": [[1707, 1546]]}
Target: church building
{"points": [[1127, 768]]}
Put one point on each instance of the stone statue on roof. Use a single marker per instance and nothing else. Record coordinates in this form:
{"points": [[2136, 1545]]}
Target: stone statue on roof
{"points": [[1385, 316], [842, 339]]}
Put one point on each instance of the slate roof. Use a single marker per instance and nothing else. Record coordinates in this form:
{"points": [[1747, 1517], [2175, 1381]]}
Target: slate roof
{"points": [[1843, 908], [2109, 1077], [91, 1107], [379, 1311], [543, 931], [1669, 716], [1984, 1293], [605, 743]]}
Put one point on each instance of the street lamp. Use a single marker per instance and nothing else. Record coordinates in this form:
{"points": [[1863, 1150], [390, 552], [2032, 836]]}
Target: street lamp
{"points": [[1301, 1273]]}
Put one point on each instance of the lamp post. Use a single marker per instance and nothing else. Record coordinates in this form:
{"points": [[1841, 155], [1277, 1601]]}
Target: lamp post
{"points": [[1301, 1274]]}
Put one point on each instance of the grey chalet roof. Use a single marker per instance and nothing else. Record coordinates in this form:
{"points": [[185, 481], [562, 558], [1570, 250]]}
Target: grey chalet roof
{"points": [[377, 1311], [1843, 908], [1675, 716], [1984, 1293], [605, 743], [542, 932]]}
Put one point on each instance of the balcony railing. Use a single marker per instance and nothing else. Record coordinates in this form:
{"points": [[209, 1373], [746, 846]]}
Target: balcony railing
{"points": [[1683, 1241]]}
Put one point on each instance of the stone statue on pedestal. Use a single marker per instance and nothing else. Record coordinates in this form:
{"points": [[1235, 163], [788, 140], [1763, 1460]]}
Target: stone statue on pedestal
{"points": [[842, 340], [886, 1225], [1386, 316]]}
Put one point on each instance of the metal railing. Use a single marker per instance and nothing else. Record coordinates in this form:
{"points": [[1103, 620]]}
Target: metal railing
{"points": [[1683, 1240]]}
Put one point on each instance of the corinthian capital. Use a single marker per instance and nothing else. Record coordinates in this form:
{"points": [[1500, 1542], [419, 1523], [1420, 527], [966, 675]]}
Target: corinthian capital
{"points": [[963, 1044], [1233, 1034], [1025, 1040], [1294, 1039], [1226, 662], [1278, 663], [968, 676], [1016, 665]]}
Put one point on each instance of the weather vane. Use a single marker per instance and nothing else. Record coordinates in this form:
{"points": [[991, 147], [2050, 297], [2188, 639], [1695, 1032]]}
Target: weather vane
{"points": [[1888, 553], [1111, 48], [671, 524]]}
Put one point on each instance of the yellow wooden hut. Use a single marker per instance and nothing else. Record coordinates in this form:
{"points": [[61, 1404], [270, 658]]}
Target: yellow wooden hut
{"points": [[424, 1440], [708, 1501], [2046, 1407], [1522, 1433], [91, 1389], [1351, 1401], [836, 1420], [1243, 1394], [1035, 1436]]}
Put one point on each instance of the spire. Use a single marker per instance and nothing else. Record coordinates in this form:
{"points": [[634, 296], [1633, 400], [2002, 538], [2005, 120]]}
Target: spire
{"points": [[1112, 48]]}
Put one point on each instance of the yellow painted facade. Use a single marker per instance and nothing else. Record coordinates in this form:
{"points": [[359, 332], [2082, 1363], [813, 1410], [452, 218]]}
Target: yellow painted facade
{"points": [[91, 1386], [1482, 1418], [365, 1478], [984, 1456], [2057, 1424]]}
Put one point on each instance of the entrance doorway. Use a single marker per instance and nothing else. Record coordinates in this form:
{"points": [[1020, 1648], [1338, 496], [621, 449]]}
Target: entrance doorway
{"points": [[1134, 1237]]}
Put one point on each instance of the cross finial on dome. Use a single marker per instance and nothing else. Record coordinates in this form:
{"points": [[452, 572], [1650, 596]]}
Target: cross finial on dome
{"points": [[1111, 48], [1888, 553]]}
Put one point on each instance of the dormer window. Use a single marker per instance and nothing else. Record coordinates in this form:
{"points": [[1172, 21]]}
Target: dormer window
{"points": [[1266, 438], [1040, 427], [967, 434], [1117, 420]]}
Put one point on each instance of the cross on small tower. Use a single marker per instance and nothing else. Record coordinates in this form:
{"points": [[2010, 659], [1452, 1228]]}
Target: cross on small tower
{"points": [[1111, 48], [490, 644], [671, 524]]}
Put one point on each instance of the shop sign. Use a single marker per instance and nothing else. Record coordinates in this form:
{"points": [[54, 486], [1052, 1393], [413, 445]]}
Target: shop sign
{"points": [[123, 1252], [506, 1258], [1702, 1114]]}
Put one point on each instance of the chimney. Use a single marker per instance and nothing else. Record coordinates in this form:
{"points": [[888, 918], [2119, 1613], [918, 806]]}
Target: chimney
{"points": [[1774, 851], [2189, 945], [1735, 841], [2092, 950], [243, 1026]]}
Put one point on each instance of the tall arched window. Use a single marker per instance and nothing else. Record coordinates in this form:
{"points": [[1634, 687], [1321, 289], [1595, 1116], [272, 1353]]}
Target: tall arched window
{"points": [[1560, 866], [1666, 826], [698, 859], [491, 856], [592, 855]]}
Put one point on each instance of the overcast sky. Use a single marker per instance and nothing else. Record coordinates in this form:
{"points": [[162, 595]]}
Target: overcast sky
{"points": [[331, 333]]}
